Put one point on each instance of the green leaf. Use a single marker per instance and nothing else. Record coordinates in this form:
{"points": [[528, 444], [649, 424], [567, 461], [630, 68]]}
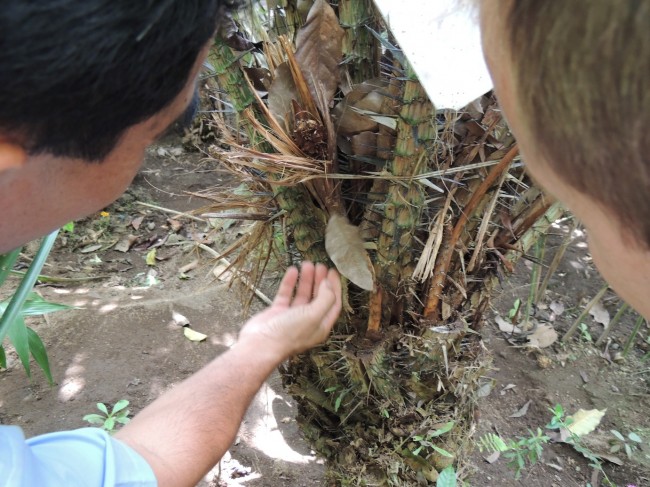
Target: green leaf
{"points": [[3, 357], [39, 353], [35, 305], [447, 478], [122, 419], [151, 257], [14, 308], [94, 418], [193, 335], [444, 453], [119, 405], [18, 335], [68, 227], [635, 438], [109, 424], [618, 435], [417, 450], [7, 262], [337, 403], [628, 450], [102, 407], [441, 431]]}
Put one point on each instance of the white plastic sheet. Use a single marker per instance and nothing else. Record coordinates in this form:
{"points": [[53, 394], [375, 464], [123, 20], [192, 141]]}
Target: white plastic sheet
{"points": [[441, 39]]}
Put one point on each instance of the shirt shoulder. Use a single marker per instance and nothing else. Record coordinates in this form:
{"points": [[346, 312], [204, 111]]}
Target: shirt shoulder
{"points": [[87, 456]]}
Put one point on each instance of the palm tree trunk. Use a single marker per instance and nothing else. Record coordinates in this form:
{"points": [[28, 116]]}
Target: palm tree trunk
{"points": [[390, 398]]}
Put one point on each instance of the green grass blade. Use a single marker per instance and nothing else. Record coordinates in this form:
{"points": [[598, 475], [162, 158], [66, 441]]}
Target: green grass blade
{"points": [[25, 287], [7, 262], [18, 336], [39, 353], [3, 357]]}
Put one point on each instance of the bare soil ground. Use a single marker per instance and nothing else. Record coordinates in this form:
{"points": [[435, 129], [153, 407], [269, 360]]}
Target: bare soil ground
{"points": [[123, 343]]}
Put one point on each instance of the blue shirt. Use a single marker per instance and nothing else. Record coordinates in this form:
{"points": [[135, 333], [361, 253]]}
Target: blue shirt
{"points": [[84, 457]]}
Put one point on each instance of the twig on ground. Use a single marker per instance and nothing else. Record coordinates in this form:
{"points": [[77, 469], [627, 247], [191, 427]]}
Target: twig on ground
{"points": [[239, 275], [173, 212]]}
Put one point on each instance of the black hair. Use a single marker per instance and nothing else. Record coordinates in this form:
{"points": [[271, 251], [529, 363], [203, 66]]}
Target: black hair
{"points": [[75, 74]]}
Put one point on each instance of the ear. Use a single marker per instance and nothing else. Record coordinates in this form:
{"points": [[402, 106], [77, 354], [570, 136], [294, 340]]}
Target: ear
{"points": [[12, 156]]}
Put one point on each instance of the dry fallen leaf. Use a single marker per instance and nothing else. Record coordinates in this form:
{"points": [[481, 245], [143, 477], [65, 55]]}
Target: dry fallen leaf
{"points": [[90, 248], [506, 327], [600, 314], [493, 457], [193, 335], [486, 389], [585, 421], [522, 411], [543, 336], [557, 308], [136, 222], [126, 243], [345, 247], [179, 319]]}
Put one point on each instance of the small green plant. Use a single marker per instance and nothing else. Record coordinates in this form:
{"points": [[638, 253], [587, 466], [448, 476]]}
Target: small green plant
{"points": [[424, 441], [629, 444], [108, 421], [559, 421], [526, 450], [339, 397], [23, 303], [514, 311], [584, 333]]}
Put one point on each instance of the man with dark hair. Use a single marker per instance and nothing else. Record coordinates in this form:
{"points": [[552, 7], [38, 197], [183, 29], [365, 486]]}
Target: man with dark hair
{"points": [[85, 87]]}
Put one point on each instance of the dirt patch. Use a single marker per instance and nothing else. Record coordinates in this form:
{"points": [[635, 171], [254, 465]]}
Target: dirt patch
{"points": [[576, 375], [123, 344]]}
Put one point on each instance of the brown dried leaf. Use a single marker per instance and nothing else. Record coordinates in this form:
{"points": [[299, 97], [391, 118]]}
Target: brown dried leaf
{"points": [[600, 314], [349, 120], [346, 249], [126, 243], [523, 411], [281, 93], [136, 222], [507, 327], [493, 457], [319, 50], [364, 144], [543, 336]]}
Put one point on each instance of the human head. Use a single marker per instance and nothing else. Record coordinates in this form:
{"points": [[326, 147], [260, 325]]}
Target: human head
{"points": [[85, 82], [571, 78]]}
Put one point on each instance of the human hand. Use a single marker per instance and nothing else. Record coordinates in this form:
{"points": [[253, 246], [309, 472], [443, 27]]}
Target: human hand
{"points": [[295, 323]]}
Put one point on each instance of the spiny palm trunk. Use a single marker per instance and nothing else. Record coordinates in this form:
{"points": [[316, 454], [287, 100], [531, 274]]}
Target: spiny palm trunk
{"points": [[390, 398]]}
